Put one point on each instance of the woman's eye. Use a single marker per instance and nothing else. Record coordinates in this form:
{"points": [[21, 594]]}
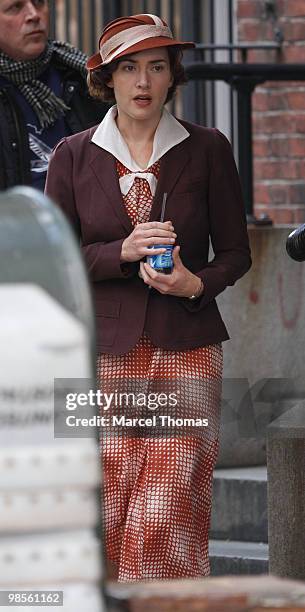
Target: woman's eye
{"points": [[158, 68], [128, 67]]}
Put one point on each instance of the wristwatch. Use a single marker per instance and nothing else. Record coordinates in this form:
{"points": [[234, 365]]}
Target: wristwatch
{"points": [[198, 293]]}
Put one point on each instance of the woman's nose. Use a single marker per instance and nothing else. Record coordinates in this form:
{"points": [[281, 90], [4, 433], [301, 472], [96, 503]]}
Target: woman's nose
{"points": [[143, 79]]}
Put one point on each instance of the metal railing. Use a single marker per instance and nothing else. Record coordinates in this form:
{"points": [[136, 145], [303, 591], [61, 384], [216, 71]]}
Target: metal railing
{"points": [[244, 78], [80, 23]]}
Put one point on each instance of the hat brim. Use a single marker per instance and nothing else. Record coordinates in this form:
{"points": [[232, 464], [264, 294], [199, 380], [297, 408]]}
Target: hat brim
{"points": [[95, 61]]}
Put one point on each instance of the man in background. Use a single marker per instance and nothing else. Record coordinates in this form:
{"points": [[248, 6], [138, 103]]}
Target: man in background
{"points": [[43, 93]]}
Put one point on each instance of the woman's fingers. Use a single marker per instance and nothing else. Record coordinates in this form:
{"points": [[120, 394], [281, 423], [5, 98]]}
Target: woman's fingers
{"points": [[179, 283], [156, 240], [147, 272], [154, 279], [157, 225], [176, 258], [154, 233], [155, 228], [146, 235], [157, 234], [143, 273], [149, 252]]}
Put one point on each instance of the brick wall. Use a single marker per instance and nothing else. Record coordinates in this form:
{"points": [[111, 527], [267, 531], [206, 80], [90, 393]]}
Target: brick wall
{"points": [[278, 112]]}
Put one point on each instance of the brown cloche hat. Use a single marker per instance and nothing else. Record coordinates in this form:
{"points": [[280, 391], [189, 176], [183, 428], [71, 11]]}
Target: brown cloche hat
{"points": [[131, 34]]}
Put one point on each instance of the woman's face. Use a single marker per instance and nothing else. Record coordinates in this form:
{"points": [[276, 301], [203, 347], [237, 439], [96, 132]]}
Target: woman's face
{"points": [[141, 82]]}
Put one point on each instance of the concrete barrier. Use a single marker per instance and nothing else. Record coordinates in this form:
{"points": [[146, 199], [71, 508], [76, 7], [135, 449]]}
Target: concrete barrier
{"points": [[286, 494], [225, 594], [265, 316]]}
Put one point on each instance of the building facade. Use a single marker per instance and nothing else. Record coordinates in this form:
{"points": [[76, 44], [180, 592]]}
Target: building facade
{"points": [[278, 117]]}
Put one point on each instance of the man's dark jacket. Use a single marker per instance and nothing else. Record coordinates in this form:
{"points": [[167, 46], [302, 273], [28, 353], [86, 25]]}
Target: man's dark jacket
{"points": [[14, 146]]}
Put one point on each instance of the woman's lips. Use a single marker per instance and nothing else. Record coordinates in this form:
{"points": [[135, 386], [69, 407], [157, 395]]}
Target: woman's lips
{"points": [[142, 101]]}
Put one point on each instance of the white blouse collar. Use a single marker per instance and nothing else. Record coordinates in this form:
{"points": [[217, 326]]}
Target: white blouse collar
{"points": [[168, 134]]}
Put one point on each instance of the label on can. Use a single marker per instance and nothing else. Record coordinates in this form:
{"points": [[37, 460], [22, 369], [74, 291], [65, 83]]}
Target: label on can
{"points": [[164, 261]]}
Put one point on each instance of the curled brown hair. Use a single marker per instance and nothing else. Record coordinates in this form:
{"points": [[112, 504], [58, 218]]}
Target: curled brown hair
{"points": [[97, 79]]}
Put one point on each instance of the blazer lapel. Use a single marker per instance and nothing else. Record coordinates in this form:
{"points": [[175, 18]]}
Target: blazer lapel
{"points": [[104, 168], [171, 167]]}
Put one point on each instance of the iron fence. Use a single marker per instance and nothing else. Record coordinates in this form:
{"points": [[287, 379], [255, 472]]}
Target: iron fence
{"points": [[220, 89], [80, 23]]}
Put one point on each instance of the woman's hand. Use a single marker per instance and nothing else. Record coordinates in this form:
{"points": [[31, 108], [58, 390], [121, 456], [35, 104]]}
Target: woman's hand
{"points": [[181, 282], [145, 235]]}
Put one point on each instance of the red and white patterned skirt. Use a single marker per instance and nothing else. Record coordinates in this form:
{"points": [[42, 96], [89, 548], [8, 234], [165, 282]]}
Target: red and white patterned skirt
{"points": [[157, 490]]}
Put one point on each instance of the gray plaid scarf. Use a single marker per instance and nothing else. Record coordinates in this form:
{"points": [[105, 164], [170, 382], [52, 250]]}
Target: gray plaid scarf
{"points": [[25, 75]]}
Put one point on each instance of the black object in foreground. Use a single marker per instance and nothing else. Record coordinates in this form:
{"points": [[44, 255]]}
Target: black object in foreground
{"points": [[295, 245]]}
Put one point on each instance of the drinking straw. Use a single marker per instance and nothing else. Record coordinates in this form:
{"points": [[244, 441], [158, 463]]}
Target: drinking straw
{"points": [[163, 207]]}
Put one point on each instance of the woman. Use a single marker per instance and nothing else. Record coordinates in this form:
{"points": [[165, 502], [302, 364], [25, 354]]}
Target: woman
{"points": [[110, 182]]}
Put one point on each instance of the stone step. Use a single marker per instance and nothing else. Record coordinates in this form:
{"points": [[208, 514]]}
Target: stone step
{"points": [[239, 509], [232, 557]]}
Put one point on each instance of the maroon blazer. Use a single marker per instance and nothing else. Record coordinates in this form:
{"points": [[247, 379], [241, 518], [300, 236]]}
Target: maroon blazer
{"points": [[204, 200]]}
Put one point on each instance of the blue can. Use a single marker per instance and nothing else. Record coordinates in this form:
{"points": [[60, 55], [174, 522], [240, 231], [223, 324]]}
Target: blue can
{"points": [[164, 261]]}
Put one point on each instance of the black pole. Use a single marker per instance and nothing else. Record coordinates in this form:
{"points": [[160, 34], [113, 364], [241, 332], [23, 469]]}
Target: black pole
{"points": [[158, 8], [245, 156], [188, 32], [67, 20], [112, 10], [80, 24], [52, 20], [93, 34]]}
